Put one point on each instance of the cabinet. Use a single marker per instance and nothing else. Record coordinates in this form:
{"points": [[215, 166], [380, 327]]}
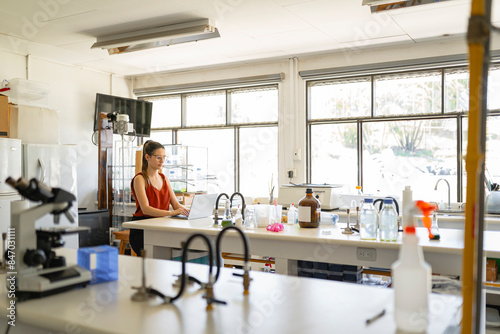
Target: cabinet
{"points": [[186, 168], [122, 169]]}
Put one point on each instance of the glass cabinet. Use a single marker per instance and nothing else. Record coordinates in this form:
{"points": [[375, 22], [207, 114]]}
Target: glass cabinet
{"points": [[186, 168], [123, 168]]}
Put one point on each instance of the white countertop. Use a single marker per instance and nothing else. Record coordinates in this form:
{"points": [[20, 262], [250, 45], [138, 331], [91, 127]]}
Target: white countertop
{"points": [[452, 240], [276, 304]]}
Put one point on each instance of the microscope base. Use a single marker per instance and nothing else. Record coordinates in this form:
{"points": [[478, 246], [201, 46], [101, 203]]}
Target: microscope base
{"points": [[50, 281]]}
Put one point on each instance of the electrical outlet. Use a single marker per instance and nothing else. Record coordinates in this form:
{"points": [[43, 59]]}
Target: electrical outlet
{"points": [[366, 254], [291, 173]]}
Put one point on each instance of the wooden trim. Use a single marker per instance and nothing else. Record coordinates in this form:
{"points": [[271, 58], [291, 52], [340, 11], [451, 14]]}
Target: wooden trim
{"points": [[230, 256]]}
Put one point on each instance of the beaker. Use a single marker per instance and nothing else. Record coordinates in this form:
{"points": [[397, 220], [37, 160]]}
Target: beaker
{"points": [[249, 218]]}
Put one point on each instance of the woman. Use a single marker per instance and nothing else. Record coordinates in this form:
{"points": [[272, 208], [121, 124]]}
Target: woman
{"points": [[152, 191]]}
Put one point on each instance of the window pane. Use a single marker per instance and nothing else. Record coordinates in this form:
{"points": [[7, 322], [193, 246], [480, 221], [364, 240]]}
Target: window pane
{"points": [[456, 85], [166, 112], [206, 108], [408, 94], [333, 154], [258, 161], [254, 105], [415, 153], [220, 144], [337, 99], [163, 137], [494, 89]]}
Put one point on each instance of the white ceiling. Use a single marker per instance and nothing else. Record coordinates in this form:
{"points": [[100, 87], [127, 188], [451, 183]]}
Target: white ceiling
{"points": [[64, 30]]}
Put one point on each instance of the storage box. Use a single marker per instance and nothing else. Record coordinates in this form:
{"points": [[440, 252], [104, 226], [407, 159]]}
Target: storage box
{"points": [[101, 261], [29, 93], [34, 125], [4, 116], [491, 270]]}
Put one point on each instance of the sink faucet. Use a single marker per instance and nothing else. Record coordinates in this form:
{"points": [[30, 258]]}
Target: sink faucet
{"points": [[246, 250], [448, 184], [242, 203], [216, 216]]}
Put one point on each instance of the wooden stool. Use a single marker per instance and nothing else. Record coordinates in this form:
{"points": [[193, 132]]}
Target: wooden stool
{"points": [[124, 236]]}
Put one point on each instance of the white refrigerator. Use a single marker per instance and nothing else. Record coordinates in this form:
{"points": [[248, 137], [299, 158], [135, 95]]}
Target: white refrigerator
{"points": [[55, 166], [10, 166]]}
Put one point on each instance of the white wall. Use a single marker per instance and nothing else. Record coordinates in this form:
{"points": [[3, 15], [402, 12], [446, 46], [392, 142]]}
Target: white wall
{"points": [[73, 92], [292, 91]]}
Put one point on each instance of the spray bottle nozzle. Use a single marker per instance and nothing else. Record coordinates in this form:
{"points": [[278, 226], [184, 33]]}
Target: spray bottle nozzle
{"points": [[427, 209]]}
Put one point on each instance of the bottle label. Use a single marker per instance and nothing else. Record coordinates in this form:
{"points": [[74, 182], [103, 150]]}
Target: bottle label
{"points": [[305, 214]]}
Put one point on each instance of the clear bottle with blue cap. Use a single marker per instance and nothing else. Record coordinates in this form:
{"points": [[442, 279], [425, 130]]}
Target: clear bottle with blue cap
{"points": [[388, 227], [368, 219]]}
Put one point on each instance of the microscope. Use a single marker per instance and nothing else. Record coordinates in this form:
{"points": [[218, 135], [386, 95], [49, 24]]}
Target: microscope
{"points": [[38, 271]]}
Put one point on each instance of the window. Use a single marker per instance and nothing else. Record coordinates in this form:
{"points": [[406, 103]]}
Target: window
{"points": [[166, 111], [337, 99], [408, 94], [258, 160], [220, 144], [238, 126], [254, 105], [456, 90], [334, 153], [204, 109], [398, 153], [409, 133]]}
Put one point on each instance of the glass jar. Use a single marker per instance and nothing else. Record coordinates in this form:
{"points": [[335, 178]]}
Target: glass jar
{"points": [[309, 210], [388, 227], [368, 220]]}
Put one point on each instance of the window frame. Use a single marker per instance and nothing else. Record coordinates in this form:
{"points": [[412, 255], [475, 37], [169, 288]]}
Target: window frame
{"points": [[460, 116], [228, 124]]}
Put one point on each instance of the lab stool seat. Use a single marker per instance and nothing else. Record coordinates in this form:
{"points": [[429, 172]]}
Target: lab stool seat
{"points": [[124, 237]]}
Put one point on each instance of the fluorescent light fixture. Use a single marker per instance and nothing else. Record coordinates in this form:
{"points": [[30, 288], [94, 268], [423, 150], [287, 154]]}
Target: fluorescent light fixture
{"points": [[380, 2], [160, 36]]}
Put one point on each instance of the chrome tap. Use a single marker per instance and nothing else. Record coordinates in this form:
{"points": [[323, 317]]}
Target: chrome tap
{"points": [[448, 184], [246, 250], [216, 216]]}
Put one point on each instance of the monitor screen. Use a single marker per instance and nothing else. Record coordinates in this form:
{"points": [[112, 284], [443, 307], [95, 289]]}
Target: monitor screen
{"points": [[139, 111]]}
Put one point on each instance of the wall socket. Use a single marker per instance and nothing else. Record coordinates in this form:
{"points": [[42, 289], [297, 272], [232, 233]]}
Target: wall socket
{"points": [[366, 254], [290, 173]]}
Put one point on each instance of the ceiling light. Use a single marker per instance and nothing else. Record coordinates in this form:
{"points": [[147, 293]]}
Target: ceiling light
{"points": [[379, 2], [160, 36]]}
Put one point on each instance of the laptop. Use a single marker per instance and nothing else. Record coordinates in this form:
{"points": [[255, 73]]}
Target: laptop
{"points": [[202, 207]]}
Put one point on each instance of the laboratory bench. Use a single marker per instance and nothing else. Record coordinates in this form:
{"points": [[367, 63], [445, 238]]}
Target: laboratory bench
{"points": [[275, 304], [324, 244]]}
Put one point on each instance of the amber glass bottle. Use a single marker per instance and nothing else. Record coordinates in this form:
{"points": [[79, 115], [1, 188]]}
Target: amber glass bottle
{"points": [[309, 210]]}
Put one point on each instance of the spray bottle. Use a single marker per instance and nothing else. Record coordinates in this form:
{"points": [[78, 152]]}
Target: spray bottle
{"points": [[411, 280]]}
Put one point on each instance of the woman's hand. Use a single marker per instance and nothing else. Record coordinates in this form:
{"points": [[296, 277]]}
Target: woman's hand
{"points": [[180, 211]]}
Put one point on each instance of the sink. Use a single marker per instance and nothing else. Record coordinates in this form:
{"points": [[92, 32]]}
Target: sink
{"points": [[451, 212]]}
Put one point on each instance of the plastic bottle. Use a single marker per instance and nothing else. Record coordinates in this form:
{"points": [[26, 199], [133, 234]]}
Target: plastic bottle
{"points": [[368, 220], [309, 210], [411, 283], [407, 205], [238, 218], [227, 220], [388, 227], [291, 215], [358, 191]]}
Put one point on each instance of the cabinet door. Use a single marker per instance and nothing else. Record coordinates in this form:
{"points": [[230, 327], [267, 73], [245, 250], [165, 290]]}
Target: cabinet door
{"points": [[10, 155]]}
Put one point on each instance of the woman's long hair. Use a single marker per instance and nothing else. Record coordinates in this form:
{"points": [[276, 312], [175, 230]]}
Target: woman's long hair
{"points": [[149, 147]]}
